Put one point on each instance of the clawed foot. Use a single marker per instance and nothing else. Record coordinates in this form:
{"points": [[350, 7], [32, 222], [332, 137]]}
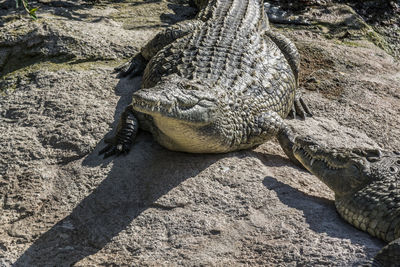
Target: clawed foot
{"points": [[126, 134], [133, 68], [114, 148], [300, 108]]}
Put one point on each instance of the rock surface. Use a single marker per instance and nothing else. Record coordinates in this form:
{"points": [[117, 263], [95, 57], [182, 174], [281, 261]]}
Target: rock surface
{"points": [[63, 205]]}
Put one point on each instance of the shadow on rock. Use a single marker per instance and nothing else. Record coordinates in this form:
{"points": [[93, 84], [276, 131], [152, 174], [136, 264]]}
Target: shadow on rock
{"points": [[134, 184], [272, 160], [320, 213], [72, 9], [136, 181], [181, 13]]}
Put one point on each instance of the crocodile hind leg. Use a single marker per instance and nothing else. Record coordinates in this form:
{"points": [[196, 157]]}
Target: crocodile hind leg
{"points": [[127, 129], [288, 49], [388, 256], [138, 63], [292, 56]]}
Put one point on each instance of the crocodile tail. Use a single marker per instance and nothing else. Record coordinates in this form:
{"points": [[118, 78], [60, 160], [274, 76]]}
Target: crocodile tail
{"points": [[388, 256]]}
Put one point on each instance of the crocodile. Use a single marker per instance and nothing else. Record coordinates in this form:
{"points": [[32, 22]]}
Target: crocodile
{"points": [[221, 82], [366, 183]]}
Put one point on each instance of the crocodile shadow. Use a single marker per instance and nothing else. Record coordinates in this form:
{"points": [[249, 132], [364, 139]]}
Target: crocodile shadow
{"points": [[319, 212], [134, 184], [321, 215]]}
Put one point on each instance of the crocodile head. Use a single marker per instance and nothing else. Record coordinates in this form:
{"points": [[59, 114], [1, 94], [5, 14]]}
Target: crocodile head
{"points": [[346, 171], [184, 103], [184, 115]]}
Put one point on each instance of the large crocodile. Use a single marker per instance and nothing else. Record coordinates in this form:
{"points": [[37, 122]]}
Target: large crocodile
{"points": [[221, 82], [366, 183]]}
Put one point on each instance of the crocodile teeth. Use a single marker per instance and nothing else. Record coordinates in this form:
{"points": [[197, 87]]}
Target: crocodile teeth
{"points": [[312, 161]]}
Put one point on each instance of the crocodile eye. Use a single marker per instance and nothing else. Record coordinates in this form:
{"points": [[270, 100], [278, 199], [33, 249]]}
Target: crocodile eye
{"points": [[373, 159], [372, 155]]}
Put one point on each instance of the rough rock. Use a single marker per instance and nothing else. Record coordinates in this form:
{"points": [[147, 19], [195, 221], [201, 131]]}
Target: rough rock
{"points": [[63, 205]]}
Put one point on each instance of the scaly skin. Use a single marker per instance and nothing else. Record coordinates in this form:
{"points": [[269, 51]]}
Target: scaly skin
{"points": [[366, 183], [219, 83]]}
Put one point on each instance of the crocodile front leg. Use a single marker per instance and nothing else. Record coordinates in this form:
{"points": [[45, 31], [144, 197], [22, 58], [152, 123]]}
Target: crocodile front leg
{"points": [[127, 129], [271, 124], [162, 39]]}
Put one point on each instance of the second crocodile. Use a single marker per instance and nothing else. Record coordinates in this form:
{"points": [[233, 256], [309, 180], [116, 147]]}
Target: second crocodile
{"points": [[366, 183]]}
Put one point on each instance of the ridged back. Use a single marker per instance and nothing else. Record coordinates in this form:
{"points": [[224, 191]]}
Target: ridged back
{"points": [[229, 53], [234, 14]]}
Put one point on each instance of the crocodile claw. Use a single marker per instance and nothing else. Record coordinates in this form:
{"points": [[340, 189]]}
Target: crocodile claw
{"points": [[111, 150], [126, 134], [133, 68], [108, 151], [300, 108]]}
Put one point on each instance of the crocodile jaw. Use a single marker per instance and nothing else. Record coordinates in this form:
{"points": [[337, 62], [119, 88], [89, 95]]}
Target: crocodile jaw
{"points": [[184, 118], [182, 106], [342, 171]]}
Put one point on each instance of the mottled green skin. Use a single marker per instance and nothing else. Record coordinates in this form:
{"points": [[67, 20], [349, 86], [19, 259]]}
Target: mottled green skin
{"points": [[367, 189]]}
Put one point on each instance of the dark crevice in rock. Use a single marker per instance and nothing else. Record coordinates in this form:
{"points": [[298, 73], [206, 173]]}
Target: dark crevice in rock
{"points": [[67, 160], [167, 207]]}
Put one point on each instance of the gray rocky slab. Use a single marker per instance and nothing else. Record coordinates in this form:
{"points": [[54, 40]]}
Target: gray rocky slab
{"points": [[62, 204]]}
